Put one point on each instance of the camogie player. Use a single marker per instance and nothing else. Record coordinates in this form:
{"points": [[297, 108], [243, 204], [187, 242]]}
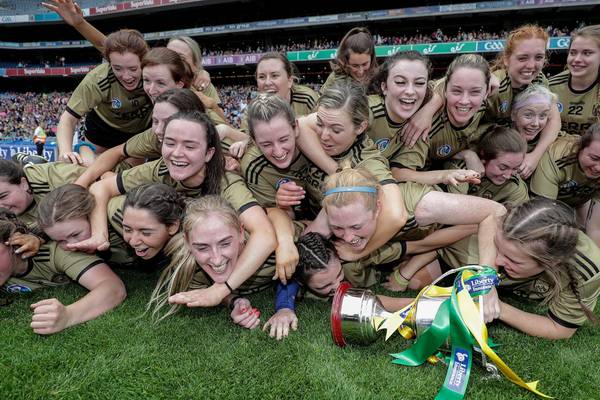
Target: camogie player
{"points": [[455, 127], [275, 74], [518, 65], [192, 162], [570, 172], [355, 59], [543, 255], [578, 88], [207, 252], [52, 266], [501, 150]]}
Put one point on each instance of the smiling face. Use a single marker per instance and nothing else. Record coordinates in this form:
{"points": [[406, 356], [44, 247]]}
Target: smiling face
{"points": [[359, 65], [15, 198], [526, 61], [584, 58], [276, 139], [127, 69], [216, 246], [325, 282], [271, 77], [69, 231], [405, 89], [145, 233], [531, 119], [512, 257], [160, 113], [589, 160], [158, 79], [465, 92], [336, 131], [500, 169], [185, 152], [354, 224]]}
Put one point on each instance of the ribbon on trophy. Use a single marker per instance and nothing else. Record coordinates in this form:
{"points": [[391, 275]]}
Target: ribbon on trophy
{"points": [[459, 319]]}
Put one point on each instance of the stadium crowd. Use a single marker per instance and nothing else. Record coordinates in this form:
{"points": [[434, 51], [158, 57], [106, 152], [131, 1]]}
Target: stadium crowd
{"points": [[257, 46]]}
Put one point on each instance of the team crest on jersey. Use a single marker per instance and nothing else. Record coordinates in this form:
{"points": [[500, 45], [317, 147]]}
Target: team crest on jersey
{"points": [[503, 106], [444, 150], [560, 106], [382, 143], [116, 104], [16, 288], [281, 182], [569, 185]]}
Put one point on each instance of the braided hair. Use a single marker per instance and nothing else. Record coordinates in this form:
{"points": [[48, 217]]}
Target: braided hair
{"points": [[315, 252], [547, 232]]}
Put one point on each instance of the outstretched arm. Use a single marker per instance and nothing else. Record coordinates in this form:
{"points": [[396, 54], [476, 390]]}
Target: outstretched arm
{"points": [[71, 13], [103, 163], [534, 324], [106, 291]]}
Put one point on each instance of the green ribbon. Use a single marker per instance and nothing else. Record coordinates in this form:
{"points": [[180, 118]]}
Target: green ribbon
{"points": [[459, 369]]}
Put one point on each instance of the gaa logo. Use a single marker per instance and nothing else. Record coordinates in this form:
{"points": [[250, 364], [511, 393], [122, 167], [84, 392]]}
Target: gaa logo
{"points": [[503, 106], [560, 106], [493, 46], [16, 288], [281, 182], [116, 104], [444, 150], [382, 144]]}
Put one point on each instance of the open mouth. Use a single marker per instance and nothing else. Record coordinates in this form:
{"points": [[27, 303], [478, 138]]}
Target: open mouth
{"points": [[408, 101], [356, 242], [219, 269], [141, 251], [281, 158], [179, 164]]}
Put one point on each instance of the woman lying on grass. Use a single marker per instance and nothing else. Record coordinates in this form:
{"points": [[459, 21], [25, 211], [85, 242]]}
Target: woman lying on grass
{"points": [[53, 266], [204, 253]]}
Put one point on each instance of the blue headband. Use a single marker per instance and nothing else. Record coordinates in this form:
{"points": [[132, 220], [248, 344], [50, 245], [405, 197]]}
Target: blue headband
{"points": [[345, 189]]}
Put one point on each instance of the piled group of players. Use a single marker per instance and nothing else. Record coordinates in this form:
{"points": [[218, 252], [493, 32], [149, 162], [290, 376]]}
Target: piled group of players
{"points": [[492, 164]]}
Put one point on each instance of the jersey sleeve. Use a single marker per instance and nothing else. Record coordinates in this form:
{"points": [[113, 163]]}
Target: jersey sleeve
{"points": [[142, 174], [565, 308], [235, 191], [143, 145], [546, 178], [74, 264]]}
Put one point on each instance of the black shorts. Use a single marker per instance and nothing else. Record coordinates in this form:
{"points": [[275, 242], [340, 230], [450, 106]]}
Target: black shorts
{"points": [[100, 133]]}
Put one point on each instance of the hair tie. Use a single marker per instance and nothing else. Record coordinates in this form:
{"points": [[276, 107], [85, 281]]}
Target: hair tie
{"points": [[345, 189], [538, 98]]}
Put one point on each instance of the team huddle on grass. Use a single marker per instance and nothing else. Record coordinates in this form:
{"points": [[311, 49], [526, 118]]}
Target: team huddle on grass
{"points": [[492, 164]]}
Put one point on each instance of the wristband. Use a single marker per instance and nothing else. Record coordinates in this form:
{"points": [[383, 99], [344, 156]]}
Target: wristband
{"points": [[232, 302], [228, 287]]}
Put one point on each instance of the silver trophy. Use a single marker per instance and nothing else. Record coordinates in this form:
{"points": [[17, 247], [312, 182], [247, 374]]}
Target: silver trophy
{"points": [[357, 313]]}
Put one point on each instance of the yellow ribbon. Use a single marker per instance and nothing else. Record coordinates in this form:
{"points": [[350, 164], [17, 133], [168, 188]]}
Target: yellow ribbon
{"points": [[394, 322], [471, 316]]}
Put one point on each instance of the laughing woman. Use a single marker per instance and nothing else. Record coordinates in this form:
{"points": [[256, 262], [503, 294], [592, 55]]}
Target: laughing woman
{"points": [[192, 163], [111, 97], [355, 59], [518, 65], [455, 127], [52, 266], [206, 252]]}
